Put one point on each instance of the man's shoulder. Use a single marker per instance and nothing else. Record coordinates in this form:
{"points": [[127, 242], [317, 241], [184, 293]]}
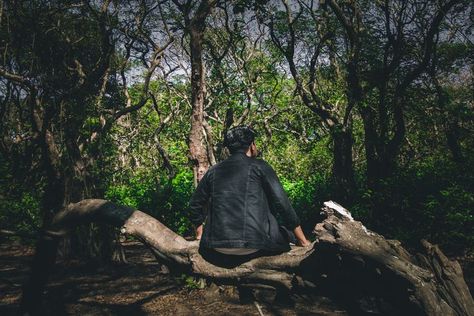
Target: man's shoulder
{"points": [[261, 164], [257, 162], [213, 167]]}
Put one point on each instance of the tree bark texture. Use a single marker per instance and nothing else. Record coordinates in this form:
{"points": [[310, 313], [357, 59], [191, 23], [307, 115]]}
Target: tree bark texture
{"points": [[346, 262], [381, 152], [197, 140], [343, 169]]}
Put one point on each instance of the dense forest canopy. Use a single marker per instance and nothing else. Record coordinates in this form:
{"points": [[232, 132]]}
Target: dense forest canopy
{"points": [[368, 103]]}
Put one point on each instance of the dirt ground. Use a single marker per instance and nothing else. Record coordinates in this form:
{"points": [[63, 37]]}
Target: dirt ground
{"points": [[140, 287]]}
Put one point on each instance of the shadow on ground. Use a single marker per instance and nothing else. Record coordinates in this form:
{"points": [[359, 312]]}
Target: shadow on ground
{"points": [[139, 287]]}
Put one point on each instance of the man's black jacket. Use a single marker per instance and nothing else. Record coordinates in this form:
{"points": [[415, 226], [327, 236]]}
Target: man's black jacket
{"points": [[240, 194]]}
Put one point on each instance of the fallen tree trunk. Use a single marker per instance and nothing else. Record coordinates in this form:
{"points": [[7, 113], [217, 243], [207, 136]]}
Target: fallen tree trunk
{"points": [[346, 261]]}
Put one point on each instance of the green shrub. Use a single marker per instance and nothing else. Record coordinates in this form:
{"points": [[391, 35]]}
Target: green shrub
{"points": [[20, 212], [164, 199]]}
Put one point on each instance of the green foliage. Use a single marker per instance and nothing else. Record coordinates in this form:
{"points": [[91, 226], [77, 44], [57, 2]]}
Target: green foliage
{"points": [[136, 193], [300, 192], [20, 212], [191, 282], [165, 199], [176, 197], [302, 195], [451, 215], [19, 204], [432, 199]]}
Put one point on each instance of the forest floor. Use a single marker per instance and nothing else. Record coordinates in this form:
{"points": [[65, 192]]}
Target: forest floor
{"points": [[141, 287]]}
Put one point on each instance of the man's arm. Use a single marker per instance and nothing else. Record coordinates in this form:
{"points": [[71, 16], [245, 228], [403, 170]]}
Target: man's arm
{"points": [[199, 232], [300, 237], [280, 203], [197, 204]]}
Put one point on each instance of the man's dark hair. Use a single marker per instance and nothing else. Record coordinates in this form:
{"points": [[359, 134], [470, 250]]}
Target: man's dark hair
{"points": [[239, 138]]}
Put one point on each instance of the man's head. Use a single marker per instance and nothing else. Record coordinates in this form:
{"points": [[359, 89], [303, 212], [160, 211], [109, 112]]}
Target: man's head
{"points": [[240, 138]]}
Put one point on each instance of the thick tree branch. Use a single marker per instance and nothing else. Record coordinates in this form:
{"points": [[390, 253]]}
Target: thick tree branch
{"points": [[346, 259]]}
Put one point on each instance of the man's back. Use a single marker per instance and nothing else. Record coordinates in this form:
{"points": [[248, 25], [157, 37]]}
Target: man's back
{"points": [[241, 193]]}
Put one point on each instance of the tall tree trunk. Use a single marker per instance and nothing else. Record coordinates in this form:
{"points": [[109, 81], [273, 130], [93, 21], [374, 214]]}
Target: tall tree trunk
{"points": [[381, 152], [343, 170], [381, 163], [53, 198], [197, 143], [452, 139], [197, 150], [370, 143]]}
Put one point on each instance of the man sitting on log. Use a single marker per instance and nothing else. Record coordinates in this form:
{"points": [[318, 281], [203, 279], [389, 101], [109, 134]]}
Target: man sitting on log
{"points": [[237, 199]]}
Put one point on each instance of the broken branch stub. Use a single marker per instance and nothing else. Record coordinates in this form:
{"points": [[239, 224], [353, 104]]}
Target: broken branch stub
{"points": [[427, 283]]}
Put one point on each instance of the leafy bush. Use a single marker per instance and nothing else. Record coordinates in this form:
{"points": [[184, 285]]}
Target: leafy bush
{"points": [[432, 199], [20, 213], [164, 199]]}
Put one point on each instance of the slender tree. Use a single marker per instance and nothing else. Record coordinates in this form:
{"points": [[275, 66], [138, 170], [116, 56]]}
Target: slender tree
{"points": [[194, 26]]}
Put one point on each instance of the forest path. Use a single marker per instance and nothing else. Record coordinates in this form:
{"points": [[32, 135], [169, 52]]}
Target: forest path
{"points": [[139, 287]]}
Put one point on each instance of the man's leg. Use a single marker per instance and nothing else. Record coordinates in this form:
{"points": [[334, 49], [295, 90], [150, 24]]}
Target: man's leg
{"points": [[223, 260], [245, 294], [230, 261], [283, 297]]}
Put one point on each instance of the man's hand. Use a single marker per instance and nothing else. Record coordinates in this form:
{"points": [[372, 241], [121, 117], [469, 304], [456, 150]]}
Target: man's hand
{"points": [[303, 243], [300, 237], [199, 232]]}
